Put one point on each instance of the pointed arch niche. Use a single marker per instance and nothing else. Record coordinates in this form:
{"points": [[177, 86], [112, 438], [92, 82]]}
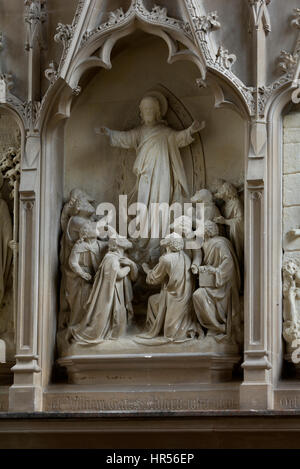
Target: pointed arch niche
{"points": [[74, 155]]}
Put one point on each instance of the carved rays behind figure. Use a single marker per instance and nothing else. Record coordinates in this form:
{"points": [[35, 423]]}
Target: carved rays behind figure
{"points": [[193, 156]]}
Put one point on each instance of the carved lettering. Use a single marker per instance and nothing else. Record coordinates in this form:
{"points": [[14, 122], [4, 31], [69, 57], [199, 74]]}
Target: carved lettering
{"points": [[78, 403]]}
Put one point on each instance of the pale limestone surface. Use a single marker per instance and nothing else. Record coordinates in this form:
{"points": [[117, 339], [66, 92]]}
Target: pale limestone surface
{"points": [[114, 104], [217, 304], [210, 69], [291, 213]]}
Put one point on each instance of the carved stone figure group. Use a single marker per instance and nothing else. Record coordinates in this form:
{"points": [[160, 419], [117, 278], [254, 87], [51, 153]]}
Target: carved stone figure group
{"points": [[9, 181], [291, 305], [199, 284], [199, 288]]}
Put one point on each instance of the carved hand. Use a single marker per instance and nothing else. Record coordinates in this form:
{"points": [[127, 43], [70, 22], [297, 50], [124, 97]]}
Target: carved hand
{"points": [[206, 269], [13, 245], [146, 268], [220, 220], [197, 126], [126, 262], [86, 277], [194, 269], [102, 131], [126, 271]]}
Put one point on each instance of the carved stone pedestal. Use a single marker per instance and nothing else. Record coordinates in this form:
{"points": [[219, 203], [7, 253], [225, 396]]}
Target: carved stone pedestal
{"points": [[169, 364], [148, 369]]}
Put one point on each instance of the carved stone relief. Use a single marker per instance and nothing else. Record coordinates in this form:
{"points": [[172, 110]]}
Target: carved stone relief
{"points": [[291, 233], [9, 181], [144, 288]]}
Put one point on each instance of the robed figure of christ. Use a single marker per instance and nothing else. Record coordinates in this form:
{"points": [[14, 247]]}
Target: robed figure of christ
{"points": [[158, 167]]}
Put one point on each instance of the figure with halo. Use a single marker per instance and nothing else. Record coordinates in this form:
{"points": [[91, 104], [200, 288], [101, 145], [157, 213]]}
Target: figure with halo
{"points": [[158, 167]]}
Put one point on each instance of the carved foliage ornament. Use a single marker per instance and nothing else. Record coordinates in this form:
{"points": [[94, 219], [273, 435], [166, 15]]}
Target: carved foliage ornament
{"points": [[203, 25], [289, 63], [157, 15], [207, 23], [224, 59], [51, 72], [34, 11], [63, 34]]}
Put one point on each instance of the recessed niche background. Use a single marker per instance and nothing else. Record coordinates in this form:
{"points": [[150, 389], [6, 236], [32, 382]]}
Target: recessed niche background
{"points": [[111, 98]]}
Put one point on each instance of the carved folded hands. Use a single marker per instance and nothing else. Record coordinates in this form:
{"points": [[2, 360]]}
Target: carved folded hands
{"points": [[203, 269], [86, 276]]}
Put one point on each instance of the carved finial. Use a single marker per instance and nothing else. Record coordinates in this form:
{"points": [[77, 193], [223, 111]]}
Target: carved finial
{"points": [[34, 11], [159, 13], [63, 34], [35, 15], [296, 21], [51, 72], [224, 59], [287, 62], [209, 22], [115, 16]]}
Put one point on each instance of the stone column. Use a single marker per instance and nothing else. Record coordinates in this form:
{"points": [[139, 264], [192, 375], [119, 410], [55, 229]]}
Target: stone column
{"points": [[256, 392], [26, 392]]}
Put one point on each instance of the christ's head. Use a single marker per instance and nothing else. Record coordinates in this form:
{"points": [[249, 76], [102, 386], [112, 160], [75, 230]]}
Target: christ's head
{"points": [[150, 110]]}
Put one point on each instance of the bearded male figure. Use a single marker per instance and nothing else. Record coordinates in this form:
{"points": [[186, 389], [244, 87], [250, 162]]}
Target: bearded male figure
{"points": [[218, 306]]}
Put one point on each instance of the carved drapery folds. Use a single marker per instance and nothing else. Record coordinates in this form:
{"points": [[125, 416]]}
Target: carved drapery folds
{"points": [[291, 310], [291, 233], [109, 282], [10, 153], [92, 263]]}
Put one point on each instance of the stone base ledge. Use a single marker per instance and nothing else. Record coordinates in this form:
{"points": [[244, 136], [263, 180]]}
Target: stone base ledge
{"points": [[149, 369], [204, 430]]}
